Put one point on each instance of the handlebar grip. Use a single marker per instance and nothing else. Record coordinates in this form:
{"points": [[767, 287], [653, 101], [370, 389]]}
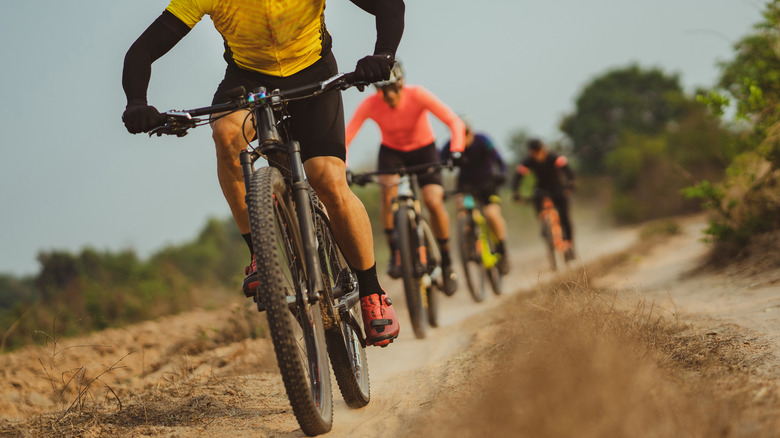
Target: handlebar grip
{"points": [[351, 79], [235, 93]]}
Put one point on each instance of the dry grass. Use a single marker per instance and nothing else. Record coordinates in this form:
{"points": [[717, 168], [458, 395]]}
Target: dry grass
{"points": [[585, 363], [94, 401]]}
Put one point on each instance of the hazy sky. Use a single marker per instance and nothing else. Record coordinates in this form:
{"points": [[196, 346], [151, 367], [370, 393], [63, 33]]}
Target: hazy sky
{"points": [[71, 176]]}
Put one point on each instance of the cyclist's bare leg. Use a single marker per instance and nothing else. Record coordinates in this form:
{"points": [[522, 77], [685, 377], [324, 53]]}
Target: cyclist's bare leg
{"points": [[229, 141], [495, 220], [352, 230], [389, 185], [351, 226], [433, 197]]}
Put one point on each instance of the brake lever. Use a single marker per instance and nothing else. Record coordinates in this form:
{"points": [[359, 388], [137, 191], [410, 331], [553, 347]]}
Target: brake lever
{"points": [[177, 123]]}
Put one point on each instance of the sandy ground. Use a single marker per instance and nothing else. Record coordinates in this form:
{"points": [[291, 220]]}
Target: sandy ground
{"points": [[195, 374]]}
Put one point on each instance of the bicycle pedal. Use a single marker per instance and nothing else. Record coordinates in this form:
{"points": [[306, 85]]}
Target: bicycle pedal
{"points": [[260, 305]]}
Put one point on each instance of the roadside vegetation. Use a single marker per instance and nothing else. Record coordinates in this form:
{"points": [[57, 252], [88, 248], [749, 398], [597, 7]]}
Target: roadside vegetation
{"points": [[92, 290], [746, 202]]}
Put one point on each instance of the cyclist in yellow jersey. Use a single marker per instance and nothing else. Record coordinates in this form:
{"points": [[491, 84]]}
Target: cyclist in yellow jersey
{"points": [[281, 44]]}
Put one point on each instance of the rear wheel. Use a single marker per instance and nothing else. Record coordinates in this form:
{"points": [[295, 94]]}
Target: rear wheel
{"points": [[493, 274], [407, 247], [494, 278], [471, 258], [295, 324], [347, 354]]}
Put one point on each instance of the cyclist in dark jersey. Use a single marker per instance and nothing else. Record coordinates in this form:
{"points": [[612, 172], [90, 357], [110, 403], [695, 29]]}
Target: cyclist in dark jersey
{"points": [[281, 45], [553, 176], [481, 173]]}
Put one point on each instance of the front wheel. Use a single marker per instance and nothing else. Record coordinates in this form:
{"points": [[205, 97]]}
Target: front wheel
{"points": [[295, 324], [413, 287]]}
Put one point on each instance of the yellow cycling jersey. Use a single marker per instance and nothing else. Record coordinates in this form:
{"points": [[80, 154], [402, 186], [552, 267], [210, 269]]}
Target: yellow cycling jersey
{"points": [[274, 37]]}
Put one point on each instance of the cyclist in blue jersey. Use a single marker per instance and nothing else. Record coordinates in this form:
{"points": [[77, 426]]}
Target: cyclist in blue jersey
{"points": [[482, 171]]}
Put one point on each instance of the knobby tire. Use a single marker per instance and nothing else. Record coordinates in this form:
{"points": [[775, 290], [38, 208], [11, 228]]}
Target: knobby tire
{"points": [[493, 274], [297, 332], [470, 259], [407, 247], [347, 355]]}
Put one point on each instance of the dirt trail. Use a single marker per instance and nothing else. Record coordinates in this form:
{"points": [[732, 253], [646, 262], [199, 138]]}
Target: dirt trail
{"points": [[195, 374]]}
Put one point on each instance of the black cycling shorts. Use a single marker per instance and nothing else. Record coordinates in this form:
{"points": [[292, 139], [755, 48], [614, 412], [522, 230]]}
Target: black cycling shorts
{"points": [[316, 123], [393, 159], [484, 193]]}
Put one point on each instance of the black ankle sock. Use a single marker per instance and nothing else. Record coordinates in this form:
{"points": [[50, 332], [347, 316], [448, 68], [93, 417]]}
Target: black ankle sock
{"points": [[368, 282], [248, 239], [390, 235], [500, 247], [444, 247]]}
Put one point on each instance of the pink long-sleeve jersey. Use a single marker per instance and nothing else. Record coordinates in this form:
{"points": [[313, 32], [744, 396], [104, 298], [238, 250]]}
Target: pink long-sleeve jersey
{"points": [[407, 127]]}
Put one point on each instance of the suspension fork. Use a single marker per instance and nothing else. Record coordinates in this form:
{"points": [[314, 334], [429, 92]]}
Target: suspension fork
{"points": [[303, 210]]}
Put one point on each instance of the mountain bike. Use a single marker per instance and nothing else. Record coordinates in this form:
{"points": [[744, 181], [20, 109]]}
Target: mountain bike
{"points": [[309, 293], [418, 249], [557, 248], [477, 244]]}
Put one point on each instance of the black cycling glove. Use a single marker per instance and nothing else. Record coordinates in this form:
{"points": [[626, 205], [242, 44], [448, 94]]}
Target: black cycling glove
{"points": [[374, 68], [141, 118], [457, 159]]}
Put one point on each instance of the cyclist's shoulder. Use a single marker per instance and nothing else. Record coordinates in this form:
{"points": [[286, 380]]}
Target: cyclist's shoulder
{"points": [[190, 11], [559, 160], [419, 93], [484, 140]]}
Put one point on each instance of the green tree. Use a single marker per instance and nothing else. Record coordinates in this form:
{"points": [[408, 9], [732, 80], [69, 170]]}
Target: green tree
{"points": [[747, 201], [626, 99]]}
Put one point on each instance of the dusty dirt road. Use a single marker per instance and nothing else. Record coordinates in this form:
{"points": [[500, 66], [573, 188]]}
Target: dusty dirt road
{"points": [[490, 369]]}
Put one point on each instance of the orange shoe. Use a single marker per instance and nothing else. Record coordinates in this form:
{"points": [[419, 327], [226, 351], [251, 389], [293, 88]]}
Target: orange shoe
{"points": [[379, 320], [250, 282]]}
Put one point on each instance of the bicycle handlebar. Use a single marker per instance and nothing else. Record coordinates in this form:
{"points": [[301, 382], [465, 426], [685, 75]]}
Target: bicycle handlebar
{"points": [[363, 178], [175, 122]]}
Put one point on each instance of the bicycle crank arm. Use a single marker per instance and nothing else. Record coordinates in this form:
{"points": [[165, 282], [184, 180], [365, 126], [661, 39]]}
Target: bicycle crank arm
{"points": [[353, 324], [347, 303]]}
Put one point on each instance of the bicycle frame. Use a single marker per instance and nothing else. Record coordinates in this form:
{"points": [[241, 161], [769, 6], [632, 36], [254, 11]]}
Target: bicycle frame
{"points": [[484, 234], [407, 194], [286, 156], [305, 318], [549, 215], [417, 246]]}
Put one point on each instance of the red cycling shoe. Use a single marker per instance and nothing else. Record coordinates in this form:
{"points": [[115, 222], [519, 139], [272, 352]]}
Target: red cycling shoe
{"points": [[379, 320], [250, 282]]}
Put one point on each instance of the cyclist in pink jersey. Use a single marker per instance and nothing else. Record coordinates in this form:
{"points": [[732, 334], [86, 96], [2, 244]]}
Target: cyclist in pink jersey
{"points": [[401, 112]]}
